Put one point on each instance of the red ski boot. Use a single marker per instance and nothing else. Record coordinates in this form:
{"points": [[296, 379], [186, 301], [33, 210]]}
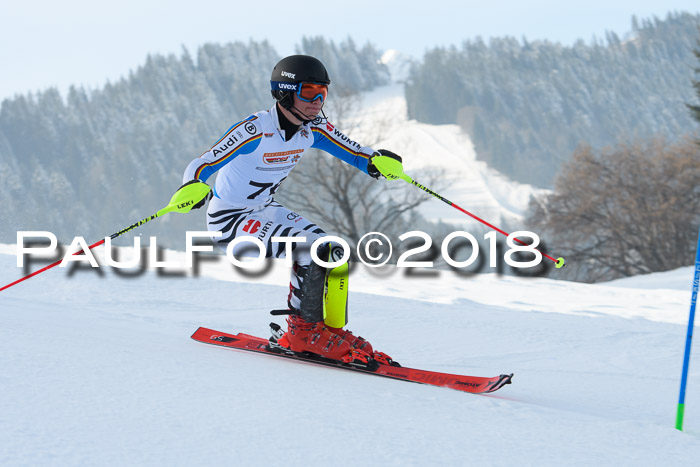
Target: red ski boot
{"points": [[363, 345], [356, 341], [303, 336]]}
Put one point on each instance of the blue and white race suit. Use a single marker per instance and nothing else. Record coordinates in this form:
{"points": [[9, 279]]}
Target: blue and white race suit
{"points": [[253, 159]]}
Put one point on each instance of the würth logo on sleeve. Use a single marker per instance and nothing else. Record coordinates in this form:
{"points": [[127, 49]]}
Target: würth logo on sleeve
{"points": [[281, 157], [329, 127]]}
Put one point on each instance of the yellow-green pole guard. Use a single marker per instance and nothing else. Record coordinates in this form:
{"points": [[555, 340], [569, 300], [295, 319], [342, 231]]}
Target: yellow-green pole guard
{"points": [[390, 168], [186, 197]]}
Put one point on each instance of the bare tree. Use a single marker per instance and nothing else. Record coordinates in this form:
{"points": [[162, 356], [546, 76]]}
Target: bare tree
{"points": [[628, 210]]}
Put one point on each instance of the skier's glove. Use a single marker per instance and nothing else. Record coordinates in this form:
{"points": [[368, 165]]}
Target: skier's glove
{"points": [[204, 200], [372, 170]]}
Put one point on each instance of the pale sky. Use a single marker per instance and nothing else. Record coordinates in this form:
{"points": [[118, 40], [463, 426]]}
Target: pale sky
{"points": [[87, 42]]}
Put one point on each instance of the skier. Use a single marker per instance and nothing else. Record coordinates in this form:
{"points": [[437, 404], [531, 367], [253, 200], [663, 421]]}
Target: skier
{"points": [[254, 157]]}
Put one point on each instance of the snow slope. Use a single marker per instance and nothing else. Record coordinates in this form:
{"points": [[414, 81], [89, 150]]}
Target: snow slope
{"points": [[472, 184], [101, 371]]}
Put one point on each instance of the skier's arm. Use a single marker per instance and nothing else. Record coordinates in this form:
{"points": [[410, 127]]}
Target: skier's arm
{"points": [[242, 138], [328, 139]]}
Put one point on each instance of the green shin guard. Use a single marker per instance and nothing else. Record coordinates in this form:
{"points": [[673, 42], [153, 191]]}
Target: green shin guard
{"points": [[335, 303], [324, 292]]}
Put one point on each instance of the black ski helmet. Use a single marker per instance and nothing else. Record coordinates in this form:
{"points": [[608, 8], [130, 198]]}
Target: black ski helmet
{"points": [[292, 70]]}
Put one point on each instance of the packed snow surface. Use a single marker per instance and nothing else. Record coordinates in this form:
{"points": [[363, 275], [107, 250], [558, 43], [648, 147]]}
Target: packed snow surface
{"points": [[101, 370]]}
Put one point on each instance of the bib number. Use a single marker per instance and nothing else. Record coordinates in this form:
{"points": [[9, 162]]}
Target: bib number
{"points": [[263, 187]]}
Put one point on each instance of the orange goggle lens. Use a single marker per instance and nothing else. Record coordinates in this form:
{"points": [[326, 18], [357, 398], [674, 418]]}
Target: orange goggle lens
{"points": [[309, 92]]}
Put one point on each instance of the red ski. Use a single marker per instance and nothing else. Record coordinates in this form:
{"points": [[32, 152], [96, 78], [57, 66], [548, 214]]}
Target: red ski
{"points": [[473, 384]]}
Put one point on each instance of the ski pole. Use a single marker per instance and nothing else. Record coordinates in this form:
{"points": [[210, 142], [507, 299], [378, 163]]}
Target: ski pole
{"points": [[393, 169], [182, 201]]}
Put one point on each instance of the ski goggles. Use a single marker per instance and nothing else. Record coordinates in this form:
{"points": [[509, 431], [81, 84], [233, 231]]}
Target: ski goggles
{"points": [[307, 92]]}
